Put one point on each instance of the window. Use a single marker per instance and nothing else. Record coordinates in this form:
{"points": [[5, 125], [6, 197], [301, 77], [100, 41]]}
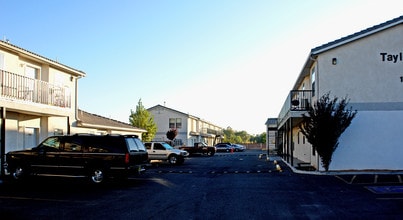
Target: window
{"points": [[135, 144], [158, 146], [1, 61], [72, 147], [148, 146], [178, 123], [298, 137], [313, 75], [51, 144], [175, 123]]}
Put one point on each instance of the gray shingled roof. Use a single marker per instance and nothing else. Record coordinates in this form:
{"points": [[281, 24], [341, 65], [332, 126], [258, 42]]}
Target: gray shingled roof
{"points": [[358, 35], [93, 119]]}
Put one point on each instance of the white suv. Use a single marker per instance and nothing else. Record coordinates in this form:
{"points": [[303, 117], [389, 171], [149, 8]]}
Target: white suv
{"points": [[164, 151]]}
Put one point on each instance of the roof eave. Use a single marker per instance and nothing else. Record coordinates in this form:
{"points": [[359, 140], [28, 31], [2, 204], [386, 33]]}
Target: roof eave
{"points": [[89, 125], [357, 36], [28, 54]]}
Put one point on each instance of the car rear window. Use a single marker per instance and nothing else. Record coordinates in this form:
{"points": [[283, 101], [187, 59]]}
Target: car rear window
{"points": [[135, 145], [99, 144]]}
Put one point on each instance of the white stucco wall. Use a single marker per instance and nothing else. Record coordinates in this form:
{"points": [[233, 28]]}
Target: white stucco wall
{"points": [[374, 140]]}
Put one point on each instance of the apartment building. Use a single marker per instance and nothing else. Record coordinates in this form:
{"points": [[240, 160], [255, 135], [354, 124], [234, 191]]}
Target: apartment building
{"points": [[367, 68], [38, 98], [191, 129]]}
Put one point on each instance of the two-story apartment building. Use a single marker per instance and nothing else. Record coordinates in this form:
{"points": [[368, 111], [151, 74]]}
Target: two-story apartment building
{"points": [[367, 68], [38, 98], [191, 129]]}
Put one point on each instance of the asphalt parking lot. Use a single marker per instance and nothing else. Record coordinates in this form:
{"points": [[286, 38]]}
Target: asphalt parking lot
{"points": [[226, 186]]}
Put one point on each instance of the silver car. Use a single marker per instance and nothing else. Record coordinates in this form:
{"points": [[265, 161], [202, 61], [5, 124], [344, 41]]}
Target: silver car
{"points": [[164, 151]]}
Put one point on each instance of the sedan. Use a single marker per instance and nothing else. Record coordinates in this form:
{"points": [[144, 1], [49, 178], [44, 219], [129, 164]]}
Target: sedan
{"points": [[224, 147], [238, 147]]}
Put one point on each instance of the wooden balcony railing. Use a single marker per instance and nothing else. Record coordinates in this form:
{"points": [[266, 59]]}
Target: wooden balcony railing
{"points": [[17, 87]]}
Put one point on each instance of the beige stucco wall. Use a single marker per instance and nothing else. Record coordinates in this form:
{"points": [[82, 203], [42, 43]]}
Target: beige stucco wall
{"points": [[373, 84], [360, 71]]}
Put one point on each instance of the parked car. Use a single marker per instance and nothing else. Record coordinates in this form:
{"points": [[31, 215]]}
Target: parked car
{"points": [[238, 147], [164, 151], [224, 147], [94, 156], [199, 148]]}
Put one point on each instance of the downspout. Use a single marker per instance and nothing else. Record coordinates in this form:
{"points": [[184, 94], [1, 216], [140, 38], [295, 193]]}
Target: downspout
{"points": [[76, 102], [2, 139]]}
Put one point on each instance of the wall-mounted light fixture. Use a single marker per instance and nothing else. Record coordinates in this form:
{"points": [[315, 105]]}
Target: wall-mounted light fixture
{"points": [[334, 61]]}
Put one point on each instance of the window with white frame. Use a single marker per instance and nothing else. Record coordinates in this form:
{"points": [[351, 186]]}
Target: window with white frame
{"points": [[175, 123], [1, 61], [31, 72], [313, 75]]}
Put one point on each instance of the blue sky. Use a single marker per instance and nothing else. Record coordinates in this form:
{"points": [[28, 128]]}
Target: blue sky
{"points": [[229, 62]]}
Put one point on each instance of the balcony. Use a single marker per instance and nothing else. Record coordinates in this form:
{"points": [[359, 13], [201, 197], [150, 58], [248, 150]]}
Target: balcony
{"points": [[298, 101], [17, 87]]}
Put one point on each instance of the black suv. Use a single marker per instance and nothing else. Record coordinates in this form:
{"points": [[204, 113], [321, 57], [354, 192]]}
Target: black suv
{"points": [[94, 156]]}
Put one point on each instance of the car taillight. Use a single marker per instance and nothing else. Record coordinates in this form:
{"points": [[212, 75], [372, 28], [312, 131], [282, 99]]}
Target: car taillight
{"points": [[127, 158]]}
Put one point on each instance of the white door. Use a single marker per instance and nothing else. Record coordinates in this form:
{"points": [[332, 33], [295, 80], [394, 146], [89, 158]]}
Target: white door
{"points": [[30, 137]]}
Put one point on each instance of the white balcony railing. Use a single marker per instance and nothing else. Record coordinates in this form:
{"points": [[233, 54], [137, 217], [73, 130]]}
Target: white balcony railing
{"points": [[17, 87]]}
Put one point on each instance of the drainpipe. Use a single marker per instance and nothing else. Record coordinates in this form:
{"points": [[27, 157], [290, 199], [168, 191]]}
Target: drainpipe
{"points": [[2, 139], [76, 102]]}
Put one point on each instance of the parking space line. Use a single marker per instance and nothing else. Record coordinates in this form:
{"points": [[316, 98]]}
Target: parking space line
{"points": [[36, 199]]}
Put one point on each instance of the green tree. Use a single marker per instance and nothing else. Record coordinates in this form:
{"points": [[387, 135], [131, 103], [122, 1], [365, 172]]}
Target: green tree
{"points": [[244, 136], [259, 138], [324, 124], [141, 118], [237, 137], [229, 135]]}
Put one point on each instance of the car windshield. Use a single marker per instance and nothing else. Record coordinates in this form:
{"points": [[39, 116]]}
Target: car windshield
{"points": [[167, 146]]}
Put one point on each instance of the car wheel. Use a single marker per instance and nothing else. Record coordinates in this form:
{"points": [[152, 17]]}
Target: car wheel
{"points": [[173, 159], [210, 153], [97, 176]]}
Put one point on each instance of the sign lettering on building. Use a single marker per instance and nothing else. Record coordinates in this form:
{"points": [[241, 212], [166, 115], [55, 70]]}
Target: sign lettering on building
{"points": [[388, 57]]}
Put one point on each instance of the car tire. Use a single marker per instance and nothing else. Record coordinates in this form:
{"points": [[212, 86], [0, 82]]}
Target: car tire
{"points": [[173, 159], [97, 175], [210, 153]]}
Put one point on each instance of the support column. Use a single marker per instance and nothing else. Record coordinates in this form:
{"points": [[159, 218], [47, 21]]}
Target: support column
{"points": [[291, 145], [2, 139]]}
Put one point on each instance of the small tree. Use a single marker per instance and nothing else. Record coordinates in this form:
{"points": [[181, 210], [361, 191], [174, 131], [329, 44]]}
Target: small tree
{"points": [[171, 134], [141, 118], [324, 124]]}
